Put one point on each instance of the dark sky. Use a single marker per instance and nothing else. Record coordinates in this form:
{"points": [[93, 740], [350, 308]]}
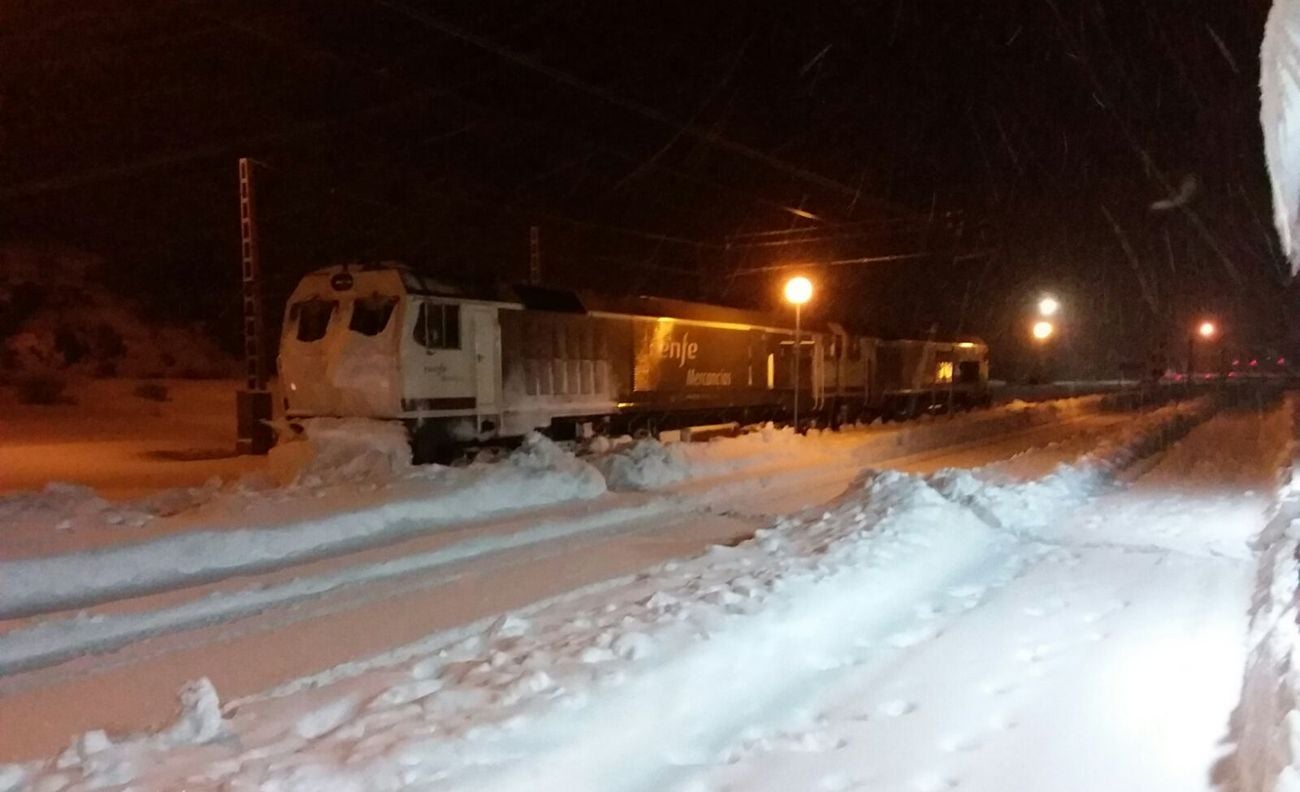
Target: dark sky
{"points": [[994, 148]]}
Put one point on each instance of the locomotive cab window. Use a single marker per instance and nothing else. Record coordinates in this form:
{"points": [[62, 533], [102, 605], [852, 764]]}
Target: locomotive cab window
{"points": [[313, 318], [438, 326], [370, 315]]}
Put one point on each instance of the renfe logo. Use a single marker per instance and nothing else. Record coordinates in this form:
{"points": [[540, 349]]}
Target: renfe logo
{"points": [[681, 351]]}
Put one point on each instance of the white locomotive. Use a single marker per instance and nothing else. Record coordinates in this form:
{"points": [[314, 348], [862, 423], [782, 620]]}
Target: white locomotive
{"points": [[459, 367]]}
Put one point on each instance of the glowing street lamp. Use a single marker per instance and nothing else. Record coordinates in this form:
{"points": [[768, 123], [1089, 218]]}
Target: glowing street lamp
{"points": [[1043, 330], [1206, 331], [1048, 306], [798, 290]]}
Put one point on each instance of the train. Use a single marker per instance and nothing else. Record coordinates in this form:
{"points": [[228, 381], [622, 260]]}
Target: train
{"points": [[462, 366]]}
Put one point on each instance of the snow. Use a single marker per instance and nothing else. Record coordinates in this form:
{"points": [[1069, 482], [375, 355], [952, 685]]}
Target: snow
{"points": [[1266, 725], [358, 470], [648, 464], [120, 444], [368, 452], [1280, 119], [900, 638], [335, 450], [66, 321], [247, 532]]}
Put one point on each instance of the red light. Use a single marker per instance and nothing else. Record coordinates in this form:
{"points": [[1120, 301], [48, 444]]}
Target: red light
{"points": [[1236, 362], [1254, 362], [1281, 361]]}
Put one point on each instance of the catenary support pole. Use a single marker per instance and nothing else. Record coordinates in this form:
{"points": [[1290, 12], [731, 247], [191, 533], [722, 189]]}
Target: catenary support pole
{"points": [[253, 403]]}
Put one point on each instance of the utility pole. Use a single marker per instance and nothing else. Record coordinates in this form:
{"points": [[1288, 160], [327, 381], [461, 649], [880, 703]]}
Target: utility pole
{"points": [[798, 339], [534, 255], [253, 402]]}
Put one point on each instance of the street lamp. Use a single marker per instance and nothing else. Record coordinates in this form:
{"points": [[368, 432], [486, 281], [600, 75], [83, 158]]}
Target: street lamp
{"points": [[1048, 306], [1206, 331], [1042, 331], [798, 290]]}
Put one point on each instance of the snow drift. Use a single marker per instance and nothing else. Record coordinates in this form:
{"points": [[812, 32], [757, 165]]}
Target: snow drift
{"points": [[527, 700], [648, 464], [260, 532], [1280, 119]]}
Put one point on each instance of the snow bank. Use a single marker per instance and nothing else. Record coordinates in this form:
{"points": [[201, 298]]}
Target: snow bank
{"points": [[335, 450], [257, 531], [649, 464], [1280, 119], [349, 484], [1266, 723], [98, 761], [646, 464], [1036, 506], [793, 602], [569, 694], [58, 506]]}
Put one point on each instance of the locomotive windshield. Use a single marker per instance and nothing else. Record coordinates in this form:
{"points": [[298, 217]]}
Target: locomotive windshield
{"points": [[370, 315], [313, 317]]}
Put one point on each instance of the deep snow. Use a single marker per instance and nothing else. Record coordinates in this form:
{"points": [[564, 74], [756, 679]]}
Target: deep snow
{"points": [[348, 485], [637, 686], [1280, 119]]}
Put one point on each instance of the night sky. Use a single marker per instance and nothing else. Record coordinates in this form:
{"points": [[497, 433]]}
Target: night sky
{"points": [[987, 150]]}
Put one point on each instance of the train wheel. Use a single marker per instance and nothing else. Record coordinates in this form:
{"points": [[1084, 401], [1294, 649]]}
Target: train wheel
{"points": [[431, 443]]}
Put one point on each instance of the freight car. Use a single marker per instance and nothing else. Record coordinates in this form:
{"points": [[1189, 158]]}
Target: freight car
{"points": [[460, 366]]}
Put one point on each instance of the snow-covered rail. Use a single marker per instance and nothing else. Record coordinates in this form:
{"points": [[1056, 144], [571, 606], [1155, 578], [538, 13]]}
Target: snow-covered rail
{"points": [[802, 574], [245, 533], [806, 479]]}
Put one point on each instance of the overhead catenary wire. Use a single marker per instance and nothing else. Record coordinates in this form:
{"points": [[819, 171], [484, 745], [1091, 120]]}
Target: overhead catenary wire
{"points": [[710, 137]]}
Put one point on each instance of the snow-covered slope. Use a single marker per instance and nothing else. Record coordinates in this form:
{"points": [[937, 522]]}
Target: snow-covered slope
{"points": [[57, 315], [1280, 119]]}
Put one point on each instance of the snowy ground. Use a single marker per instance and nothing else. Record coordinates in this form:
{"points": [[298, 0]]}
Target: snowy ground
{"points": [[481, 566], [120, 444], [1073, 600]]}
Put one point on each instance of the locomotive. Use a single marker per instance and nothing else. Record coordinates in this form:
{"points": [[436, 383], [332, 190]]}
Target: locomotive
{"points": [[460, 366]]}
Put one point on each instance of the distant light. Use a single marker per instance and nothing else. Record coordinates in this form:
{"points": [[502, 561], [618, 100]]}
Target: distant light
{"points": [[1207, 330], [966, 344], [798, 290], [1281, 361], [1043, 330], [1048, 306], [1254, 362]]}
